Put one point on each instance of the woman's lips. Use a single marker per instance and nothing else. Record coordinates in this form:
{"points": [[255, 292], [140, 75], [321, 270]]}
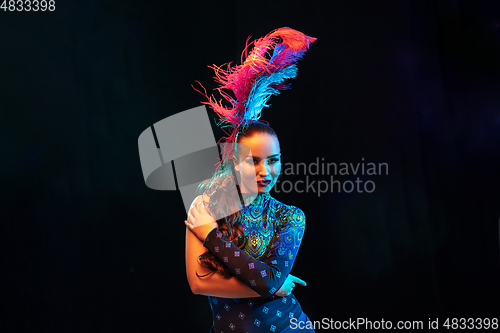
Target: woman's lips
{"points": [[263, 182]]}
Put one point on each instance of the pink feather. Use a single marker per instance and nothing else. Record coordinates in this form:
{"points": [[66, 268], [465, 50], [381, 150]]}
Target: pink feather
{"points": [[240, 79]]}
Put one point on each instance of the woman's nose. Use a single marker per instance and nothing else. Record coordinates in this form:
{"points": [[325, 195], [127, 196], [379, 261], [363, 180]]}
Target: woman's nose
{"points": [[263, 168]]}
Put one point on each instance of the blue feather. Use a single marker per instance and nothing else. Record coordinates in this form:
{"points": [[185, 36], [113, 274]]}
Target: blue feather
{"points": [[262, 91]]}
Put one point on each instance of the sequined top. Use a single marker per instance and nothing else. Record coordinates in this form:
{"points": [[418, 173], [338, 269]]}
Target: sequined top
{"points": [[273, 233]]}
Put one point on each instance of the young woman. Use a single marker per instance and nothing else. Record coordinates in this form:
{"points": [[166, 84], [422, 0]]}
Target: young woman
{"points": [[257, 298], [240, 248]]}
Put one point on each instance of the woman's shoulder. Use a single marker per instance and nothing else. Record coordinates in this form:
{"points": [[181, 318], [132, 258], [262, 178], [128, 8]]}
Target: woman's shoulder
{"points": [[288, 213]]}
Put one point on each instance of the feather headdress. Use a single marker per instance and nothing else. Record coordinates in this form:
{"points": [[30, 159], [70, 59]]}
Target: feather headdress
{"points": [[263, 73]]}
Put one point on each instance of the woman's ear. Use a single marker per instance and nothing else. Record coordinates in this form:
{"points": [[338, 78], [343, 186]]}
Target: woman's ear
{"points": [[236, 165]]}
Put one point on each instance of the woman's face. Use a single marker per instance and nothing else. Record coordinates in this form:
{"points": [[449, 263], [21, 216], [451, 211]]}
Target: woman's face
{"points": [[260, 164]]}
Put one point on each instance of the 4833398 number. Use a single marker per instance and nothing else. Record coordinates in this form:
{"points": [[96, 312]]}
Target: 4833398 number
{"points": [[471, 323], [28, 5]]}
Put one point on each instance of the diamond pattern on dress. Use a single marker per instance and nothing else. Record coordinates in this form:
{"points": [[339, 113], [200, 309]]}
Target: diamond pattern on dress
{"points": [[273, 233]]}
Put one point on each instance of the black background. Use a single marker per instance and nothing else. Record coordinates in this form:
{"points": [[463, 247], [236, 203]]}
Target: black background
{"points": [[88, 247]]}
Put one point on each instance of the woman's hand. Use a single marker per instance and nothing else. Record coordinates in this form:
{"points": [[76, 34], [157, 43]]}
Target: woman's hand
{"points": [[287, 287], [201, 231], [198, 214], [199, 221]]}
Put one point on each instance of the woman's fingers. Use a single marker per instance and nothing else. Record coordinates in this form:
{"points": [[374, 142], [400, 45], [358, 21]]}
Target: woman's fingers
{"points": [[200, 209], [191, 218], [194, 213], [299, 281], [195, 210]]}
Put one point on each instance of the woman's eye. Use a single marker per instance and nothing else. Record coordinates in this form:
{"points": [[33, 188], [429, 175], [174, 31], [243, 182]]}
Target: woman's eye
{"points": [[270, 161]]}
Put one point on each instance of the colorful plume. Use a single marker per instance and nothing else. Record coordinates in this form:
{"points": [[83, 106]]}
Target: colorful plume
{"points": [[263, 73]]}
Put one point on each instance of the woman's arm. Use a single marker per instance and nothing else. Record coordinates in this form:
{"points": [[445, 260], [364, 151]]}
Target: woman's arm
{"points": [[265, 276], [208, 283], [212, 284]]}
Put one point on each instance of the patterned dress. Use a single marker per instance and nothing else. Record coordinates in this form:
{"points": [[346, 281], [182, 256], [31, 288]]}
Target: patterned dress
{"points": [[273, 233]]}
